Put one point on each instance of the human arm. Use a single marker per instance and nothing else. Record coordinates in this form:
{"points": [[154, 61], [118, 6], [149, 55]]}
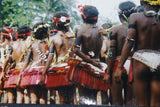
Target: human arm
{"points": [[127, 47], [6, 62], [111, 55], [7, 59], [77, 51], [48, 63], [27, 61]]}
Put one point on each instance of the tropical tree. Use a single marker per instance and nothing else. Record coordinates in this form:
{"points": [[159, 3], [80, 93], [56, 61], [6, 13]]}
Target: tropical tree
{"points": [[20, 12]]}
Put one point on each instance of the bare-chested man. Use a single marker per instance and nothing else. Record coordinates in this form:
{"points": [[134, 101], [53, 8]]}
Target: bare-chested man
{"points": [[88, 46], [35, 62], [144, 31], [6, 51], [118, 36], [20, 47], [61, 44]]}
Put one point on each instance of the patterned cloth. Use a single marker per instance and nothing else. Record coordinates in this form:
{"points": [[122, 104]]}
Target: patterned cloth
{"points": [[150, 58]]}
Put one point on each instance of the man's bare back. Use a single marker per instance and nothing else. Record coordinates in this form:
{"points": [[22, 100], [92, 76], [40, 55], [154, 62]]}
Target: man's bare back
{"points": [[120, 33], [148, 31], [91, 41], [62, 43]]}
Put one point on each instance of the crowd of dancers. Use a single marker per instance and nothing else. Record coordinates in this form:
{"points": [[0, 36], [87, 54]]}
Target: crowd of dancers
{"points": [[107, 65]]}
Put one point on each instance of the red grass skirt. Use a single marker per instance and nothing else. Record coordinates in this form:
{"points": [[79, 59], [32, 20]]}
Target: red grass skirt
{"points": [[130, 75], [116, 65], [11, 80], [1, 85], [83, 74], [57, 77], [32, 77]]}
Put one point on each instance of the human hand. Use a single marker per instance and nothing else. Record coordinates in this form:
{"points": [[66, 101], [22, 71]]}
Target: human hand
{"points": [[118, 74], [19, 79], [103, 32], [107, 78], [42, 80], [2, 76]]}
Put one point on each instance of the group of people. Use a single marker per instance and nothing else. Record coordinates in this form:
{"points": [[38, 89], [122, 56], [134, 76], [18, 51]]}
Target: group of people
{"points": [[108, 65]]}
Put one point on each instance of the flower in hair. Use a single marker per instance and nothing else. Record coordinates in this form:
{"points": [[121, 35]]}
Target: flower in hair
{"points": [[63, 19]]}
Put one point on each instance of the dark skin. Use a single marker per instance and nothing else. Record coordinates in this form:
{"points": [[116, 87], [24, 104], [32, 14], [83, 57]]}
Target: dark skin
{"points": [[61, 43], [116, 47], [19, 54], [33, 56], [146, 36], [91, 41]]}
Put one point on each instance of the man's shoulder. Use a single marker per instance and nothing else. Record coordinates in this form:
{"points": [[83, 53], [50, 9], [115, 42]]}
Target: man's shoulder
{"points": [[115, 28], [137, 15]]}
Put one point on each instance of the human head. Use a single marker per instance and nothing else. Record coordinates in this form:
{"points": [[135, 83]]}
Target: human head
{"points": [[151, 4], [126, 9], [107, 26], [61, 21], [40, 30], [23, 32], [6, 33], [89, 14], [139, 9]]}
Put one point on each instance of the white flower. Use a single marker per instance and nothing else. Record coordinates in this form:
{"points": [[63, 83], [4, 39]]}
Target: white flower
{"points": [[63, 19]]}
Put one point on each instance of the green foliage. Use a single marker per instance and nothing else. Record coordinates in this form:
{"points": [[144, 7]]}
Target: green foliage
{"points": [[20, 12]]}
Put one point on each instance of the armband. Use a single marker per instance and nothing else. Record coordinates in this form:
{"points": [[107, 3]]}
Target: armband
{"points": [[113, 46], [114, 37], [51, 49], [109, 54], [132, 26], [132, 40], [78, 41]]}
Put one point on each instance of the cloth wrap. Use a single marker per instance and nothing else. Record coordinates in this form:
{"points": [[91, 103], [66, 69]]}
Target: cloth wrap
{"points": [[150, 58], [86, 75]]}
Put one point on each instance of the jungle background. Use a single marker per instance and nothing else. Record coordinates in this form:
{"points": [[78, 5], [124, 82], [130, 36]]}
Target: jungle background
{"points": [[14, 13]]}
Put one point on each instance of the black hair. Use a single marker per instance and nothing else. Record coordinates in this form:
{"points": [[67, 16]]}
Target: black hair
{"points": [[5, 31], [106, 25], [60, 25], [126, 9], [40, 32], [22, 30], [14, 36], [139, 9], [154, 7], [90, 12]]}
